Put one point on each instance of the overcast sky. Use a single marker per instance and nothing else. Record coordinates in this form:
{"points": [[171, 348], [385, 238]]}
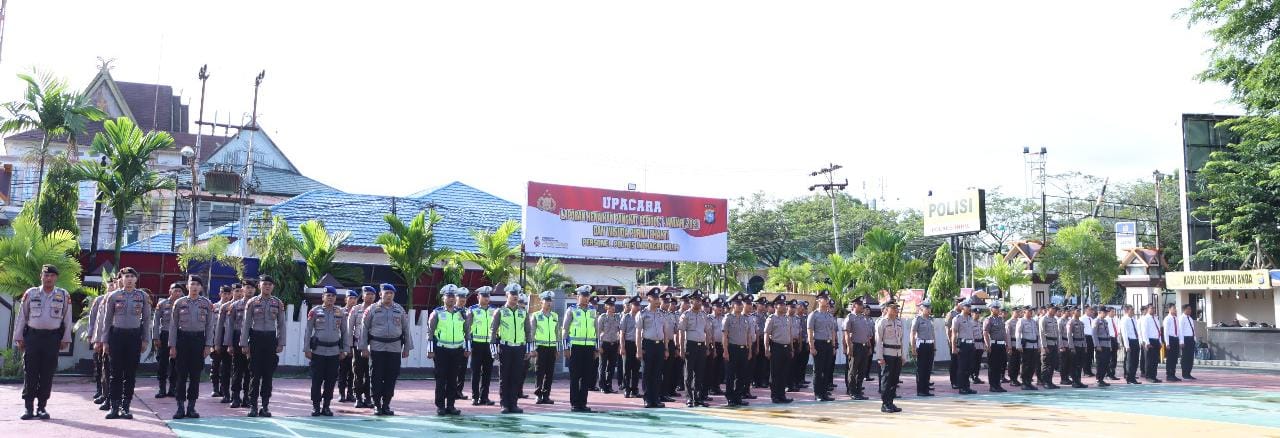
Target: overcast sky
{"points": [[707, 98]]}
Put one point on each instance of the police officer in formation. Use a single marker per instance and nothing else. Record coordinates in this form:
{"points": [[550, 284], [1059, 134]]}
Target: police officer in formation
{"points": [[263, 337], [800, 360], [778, 342], [480, 319], [738, 337], [360, 362], [220, 369], [1014, 362], [43, 329], [995, 338], [385, 340], [101, 361], [889, 333], [823, 338], [191, 336], [631, 346], [160, 319], [692, 333], [609, 329], [232, 328], [545, 325], [763, 308], [924, 347], [447, 345], [510, 331], [1102, 341], [326, 344], [346, 375], [580, 329], [651, 335], [123, 335], [858, 333], [716, 363], [962, 340]]}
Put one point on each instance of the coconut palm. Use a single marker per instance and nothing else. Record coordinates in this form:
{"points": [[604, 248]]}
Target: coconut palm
{"points": [[840, 273], [126, 179], [547, 274], [318, 249], [883, 254], [701, 276], [212, 252], [48, 106], [411, 249], [275, 248], [495, 252], [791, 276], [1004, 274], [451, 268]]}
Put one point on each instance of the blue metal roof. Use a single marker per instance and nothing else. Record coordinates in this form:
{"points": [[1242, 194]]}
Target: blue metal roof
{"points": [[157, 243], [463, 207]]}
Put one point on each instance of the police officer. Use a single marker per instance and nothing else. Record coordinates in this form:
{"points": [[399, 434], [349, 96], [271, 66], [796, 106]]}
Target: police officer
{"points": [[1102, 340], [778, 341], [326, 344], [923, 347], [231, 330], [692, 332], [1049, 347], [44, 328], [360, 362], [953, 366], [608, 328], [160, 339], [101, 361], [716, 362], [962, 330], [888, 350], [672, 370], [1026, 343], [858, 330], [763, 309], [979, 347], [580, 329], [447, 344], [631, 358], [738, 337], [124, 327], [652, 349], [190, 332], [346, 379], [480, 318], [1078, 350], [509, 329], [1011, 333], [545, 327], [385, 340], [219, 369], [263, 338], [822, 327], [800, 361], [997, 343]]}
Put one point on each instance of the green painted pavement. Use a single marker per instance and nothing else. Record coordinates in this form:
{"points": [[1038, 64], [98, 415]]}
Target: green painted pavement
{"points": [[638, 423], [1231, 405]]}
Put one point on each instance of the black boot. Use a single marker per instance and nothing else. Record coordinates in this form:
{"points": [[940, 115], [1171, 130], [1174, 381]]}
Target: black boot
{"points": [[226, 397], [324, 409], [97, 394], [124, 410], [191, 409], [114, 406], [315, 409], [235, 399], [30, 407], [161, 391], [252, 405], [182, 411], [265, 412]]}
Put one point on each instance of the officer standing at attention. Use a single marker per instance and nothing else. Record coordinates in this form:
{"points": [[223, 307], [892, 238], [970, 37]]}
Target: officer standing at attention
{"points": [[1129, 336], [631, 360], [953, 366], [858, 330], [231, 329], [888, 334], [979, 347], [671, 369], [385, 340], [510, 331], [460, 375], [1080, 350], [124, 327], [997, 342], [263, 337], [608, 327], [44, 328], [479, 318], [346, 379], [1011, 332], [692, 332], [327, 344], [778, 340], [1049, 338], [101, 362], [962, 330], [652, 339], [1026, 343], [822, 327], [763, 309], [800, 362], [547, 338], [716, 362], [923, 344], [447, 345], [220, 364], [160, 339], [1102, 341], [580, 329], [360, 362], [191, 331], [739, 334]]}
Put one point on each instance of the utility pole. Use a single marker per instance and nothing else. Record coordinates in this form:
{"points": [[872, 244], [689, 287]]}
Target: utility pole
{"points": [[203, 75], [248, 170], [831, 187], [1159, 179], [1035, 162]]}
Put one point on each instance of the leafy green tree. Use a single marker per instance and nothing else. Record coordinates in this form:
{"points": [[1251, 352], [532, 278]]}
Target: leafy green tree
{"points": [[701, 276], [943, 288], [1242, 190], [411, 248], [1083, 261], [495, 252], [791, 276], [49, 106], [452, 269], [214, 251], [1004, 275], [28, 249], [547, 274], [318, 249], [276, 247], [60, 198], [1244, 57], [126, 180], [840, 273], [772, 230], [886, 264]]}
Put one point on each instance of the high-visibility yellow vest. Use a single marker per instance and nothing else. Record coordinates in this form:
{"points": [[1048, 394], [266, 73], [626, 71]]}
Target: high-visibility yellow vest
{"points": [[583, 329], [449, 329], [480, 320], [509, 325], [544, 330]]}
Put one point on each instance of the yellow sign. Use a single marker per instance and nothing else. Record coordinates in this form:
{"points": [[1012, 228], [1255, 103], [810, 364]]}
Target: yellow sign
{"points": [[1219, 280], [963, 214]]}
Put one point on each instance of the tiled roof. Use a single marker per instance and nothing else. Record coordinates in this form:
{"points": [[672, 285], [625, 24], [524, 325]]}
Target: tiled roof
{"points": [[157, 243], [209, 143], [153, 106], [463, 207], [271, 181]]}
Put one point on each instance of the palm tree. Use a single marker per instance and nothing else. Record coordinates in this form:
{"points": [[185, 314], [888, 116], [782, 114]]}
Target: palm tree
{"points": [[547, 274], [1083, 261], [48, 106], [23, 253], [275, 247], [451, 269], [701, 276], [318, 249], [212, 252], [841, 273], [126, 179], [791, 276], [495, 252], [886, 265], [1004, 274], [411, 248]]}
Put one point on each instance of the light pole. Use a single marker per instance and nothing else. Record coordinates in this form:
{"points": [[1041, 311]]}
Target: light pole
{"points": [[190, 154], [831, 187], [1159, 179]]}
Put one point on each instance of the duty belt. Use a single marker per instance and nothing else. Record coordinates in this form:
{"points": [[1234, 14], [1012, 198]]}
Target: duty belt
{"points": [[926, 341], [386, 340], [966, 341], [1077, 339], [892, 346], [997, 342], [698, 343], [320, 343], [199, 333]]}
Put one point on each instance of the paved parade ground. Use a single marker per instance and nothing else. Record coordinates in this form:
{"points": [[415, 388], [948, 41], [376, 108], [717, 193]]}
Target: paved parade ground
{"points": [[1221, 403]]}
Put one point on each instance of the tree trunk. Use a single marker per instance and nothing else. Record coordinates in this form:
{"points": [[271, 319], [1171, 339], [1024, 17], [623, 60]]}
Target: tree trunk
{"points": [[119, 237], [44, 151]]}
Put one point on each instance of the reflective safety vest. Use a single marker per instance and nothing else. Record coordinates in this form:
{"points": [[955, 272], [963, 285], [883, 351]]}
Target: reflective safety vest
{"points": [[449, 329], [509, 325], [583, 329], [544, 330], [481, 317]]}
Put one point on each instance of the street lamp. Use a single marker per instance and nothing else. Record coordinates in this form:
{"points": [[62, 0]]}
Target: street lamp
{"points": [[190, 154]]}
